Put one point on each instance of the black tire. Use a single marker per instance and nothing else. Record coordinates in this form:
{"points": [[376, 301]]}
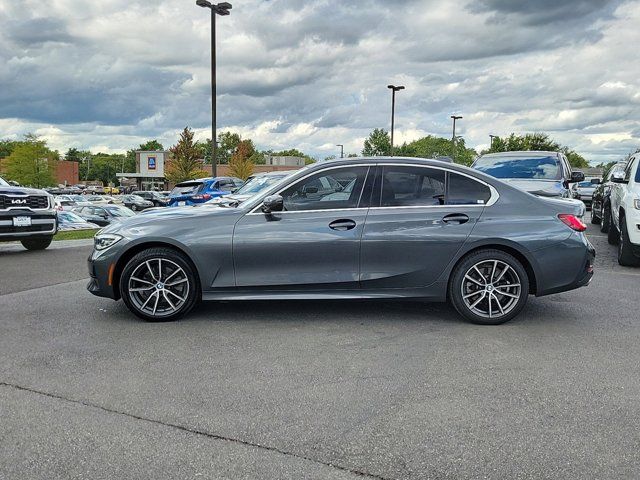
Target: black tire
{"points": [[594, 219], [36, 243], [613, 235], [625, 252], [484, 259], [188, 288], [605, 224]]}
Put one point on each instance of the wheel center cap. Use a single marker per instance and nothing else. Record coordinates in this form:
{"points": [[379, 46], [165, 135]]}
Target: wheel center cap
{"points": [[489, 288], [159, 286]]}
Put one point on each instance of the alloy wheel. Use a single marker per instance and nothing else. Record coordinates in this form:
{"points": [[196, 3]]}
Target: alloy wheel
{"points": [[158, 287], [491, 288]]}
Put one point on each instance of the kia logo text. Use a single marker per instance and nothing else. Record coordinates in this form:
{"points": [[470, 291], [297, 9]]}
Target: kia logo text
{"points": [[17, 201]]}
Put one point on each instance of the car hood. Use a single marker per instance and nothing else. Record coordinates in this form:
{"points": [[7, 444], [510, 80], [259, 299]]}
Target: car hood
{"points": [[542, 188], [162, 216], [21, 191]]}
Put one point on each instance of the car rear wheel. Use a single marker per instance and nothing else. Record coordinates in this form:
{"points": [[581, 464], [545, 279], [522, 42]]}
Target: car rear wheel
{"points": [[489, 287], [36, 243], [159, 284], [606, 219], [625, 252]]}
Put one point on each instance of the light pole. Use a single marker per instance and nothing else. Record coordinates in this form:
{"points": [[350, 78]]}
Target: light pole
{"points": [[491, 137], [341, 150], [453, 137], [220, 9], [394, 89]]}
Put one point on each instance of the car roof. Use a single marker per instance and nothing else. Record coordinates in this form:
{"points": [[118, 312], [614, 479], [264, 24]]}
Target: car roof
{"points": [[523, 153]]}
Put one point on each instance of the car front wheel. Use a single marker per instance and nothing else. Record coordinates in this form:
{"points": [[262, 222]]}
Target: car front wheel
{"points": [[159, 284], [625, 252], [489, 287], [606, 219], [36, 243]]}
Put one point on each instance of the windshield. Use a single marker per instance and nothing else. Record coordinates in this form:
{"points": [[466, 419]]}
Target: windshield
{"points": [[186, 188], [3, 183], [537, 168], [258, 184], [120, 212], [586, 184], [70, 217]]}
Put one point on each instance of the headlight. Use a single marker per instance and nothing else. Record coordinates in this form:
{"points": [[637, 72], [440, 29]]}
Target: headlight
{"points": [[636, 203], [104, 241]]}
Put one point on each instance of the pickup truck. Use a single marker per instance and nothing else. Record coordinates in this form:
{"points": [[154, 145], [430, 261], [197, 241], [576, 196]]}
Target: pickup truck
{"points": [[624, 229], [27, 215]]}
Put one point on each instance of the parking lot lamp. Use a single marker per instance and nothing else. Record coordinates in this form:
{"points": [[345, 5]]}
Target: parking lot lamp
{"points": [[453, 137], [341, 150], [394, 89], [491, 137], [221, 8]]}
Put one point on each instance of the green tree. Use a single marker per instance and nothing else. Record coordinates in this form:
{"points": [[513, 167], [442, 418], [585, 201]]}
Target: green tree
{"points": [[535, 141], [32, 163], [73, 155], [434, 147], [378, 143], [240, 164], [185, 155], [151, 145], [6, 147]]}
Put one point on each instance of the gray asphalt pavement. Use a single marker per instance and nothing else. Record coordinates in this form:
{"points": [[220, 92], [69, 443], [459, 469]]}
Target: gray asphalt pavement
{"points": [[324, 390]]}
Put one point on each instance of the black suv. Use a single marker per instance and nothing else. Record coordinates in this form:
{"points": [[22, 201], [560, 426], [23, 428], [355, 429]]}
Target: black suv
{"points": [[27, 215]]}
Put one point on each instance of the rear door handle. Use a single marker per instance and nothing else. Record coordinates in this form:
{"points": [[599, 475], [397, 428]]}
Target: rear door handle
{"points": [[342, 224], [456, 218]]}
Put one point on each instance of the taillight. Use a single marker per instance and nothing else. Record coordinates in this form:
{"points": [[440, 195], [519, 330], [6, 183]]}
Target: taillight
{"points": [[573, 222], [206, 196]]}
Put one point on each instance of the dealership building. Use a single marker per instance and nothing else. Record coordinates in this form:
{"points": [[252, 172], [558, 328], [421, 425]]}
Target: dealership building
{"points": [[149, 174]]}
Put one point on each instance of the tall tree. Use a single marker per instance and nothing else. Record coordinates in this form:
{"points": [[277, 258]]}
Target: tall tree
{"points": [[378, 143], [184, 164], [241, 165], [433, 147], [32, 163], [151, 145]]}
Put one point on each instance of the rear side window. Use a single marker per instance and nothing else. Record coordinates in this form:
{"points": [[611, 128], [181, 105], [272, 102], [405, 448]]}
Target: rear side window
{"points": [[412, 186], [463, 190], [637, 177]]}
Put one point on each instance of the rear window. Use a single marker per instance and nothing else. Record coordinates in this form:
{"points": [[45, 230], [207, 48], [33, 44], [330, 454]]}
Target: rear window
{"points": [[535, 168], [186, 188]]}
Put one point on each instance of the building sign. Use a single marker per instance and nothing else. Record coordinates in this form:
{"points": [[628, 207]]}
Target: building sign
{"points": [[151, 163]]}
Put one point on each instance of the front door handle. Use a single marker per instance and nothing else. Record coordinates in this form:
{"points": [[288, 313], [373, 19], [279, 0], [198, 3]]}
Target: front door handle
{"points": [[342, 224], [456, 218]]}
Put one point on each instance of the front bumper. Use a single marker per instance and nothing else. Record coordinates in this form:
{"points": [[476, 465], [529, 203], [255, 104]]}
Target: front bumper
{"points": [[103, 279]]}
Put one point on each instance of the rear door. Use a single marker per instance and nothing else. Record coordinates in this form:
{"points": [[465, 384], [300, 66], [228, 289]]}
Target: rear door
{"points": [[419, 219]]}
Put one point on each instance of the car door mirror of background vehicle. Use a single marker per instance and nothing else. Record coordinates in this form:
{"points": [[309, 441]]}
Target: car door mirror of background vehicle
{"points": [[272, 203], [618, 177], [595, 181], [576, 176]]}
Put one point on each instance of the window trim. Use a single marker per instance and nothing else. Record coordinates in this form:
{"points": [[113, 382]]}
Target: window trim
{"points": [[256, 210], [492, 199]]}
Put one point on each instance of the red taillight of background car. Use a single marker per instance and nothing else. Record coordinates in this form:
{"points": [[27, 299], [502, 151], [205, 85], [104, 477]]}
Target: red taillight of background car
{"points": [[573, 222]]}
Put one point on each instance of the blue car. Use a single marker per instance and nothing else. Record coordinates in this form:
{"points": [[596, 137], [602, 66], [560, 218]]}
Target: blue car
{"points": [[195, 192]]}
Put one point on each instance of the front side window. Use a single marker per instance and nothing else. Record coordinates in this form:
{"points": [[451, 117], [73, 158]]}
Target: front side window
{"points": [[463, 190], [329, 189], [412, 186]]}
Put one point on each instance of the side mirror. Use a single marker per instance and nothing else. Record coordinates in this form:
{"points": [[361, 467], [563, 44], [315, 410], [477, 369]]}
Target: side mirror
{"points": [[272, 203], [576, 176], [595, 181]]}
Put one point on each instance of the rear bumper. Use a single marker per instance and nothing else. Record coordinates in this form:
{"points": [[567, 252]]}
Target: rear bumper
{"points": [[566, 266]]}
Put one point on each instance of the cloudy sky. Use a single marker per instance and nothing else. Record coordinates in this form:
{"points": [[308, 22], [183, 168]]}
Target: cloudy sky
{"points": [[309, 74]]}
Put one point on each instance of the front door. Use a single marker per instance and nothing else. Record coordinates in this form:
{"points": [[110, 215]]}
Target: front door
{"points": [[421, 218], [313, 243]]}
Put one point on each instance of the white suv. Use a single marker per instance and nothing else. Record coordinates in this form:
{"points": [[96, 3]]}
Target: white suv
{"points": [[625, 213]]}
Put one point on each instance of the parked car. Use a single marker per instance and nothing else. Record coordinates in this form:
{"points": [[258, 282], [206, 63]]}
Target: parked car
{"points": [[194, 192], [104, 214], [583, 191], [410, 228], [73, 221], [624, 207], [63, 204], [546, 174], [254, 185], [156, 198], [101, 199], [135, 202], [600, 200], [27, 215]]}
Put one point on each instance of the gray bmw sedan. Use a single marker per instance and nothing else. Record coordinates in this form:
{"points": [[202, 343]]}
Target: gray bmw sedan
{"points": [[358, 228]]}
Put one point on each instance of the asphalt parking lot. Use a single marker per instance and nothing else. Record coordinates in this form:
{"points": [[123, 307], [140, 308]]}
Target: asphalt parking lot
{"points": [[314, 390]]}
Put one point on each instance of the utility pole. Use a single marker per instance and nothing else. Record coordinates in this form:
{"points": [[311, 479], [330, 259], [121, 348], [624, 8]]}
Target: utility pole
{"points": [[394, 89], [453, 137]]}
